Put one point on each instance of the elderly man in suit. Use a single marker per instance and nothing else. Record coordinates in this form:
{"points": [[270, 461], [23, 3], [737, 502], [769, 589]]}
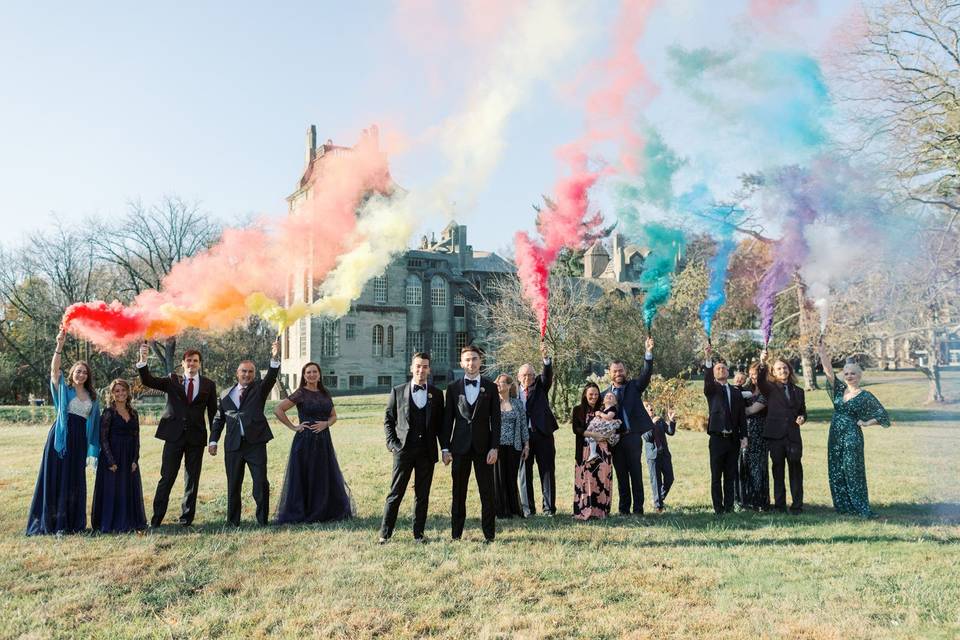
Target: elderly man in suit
{"points": [[248, 432], [469, 439], [628, 454], [191, 399], [412, 424], [542, 423], [727, 428]]}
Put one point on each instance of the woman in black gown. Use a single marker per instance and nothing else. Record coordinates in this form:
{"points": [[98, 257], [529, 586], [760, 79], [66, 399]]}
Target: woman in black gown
{"points": [[313, 489], [755, 482], [118, 492], [60, 498]]}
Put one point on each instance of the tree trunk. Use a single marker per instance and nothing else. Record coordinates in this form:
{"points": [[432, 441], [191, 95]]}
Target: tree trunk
{"points": [[166, 353], [935, 391]]}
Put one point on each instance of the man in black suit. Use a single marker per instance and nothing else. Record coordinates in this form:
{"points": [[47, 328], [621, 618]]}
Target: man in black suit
{"points": [[533, 394], [469, 438], [412, 423], [786, 413], [727, 428], [248, 432], [628, 453], [182, 429]]}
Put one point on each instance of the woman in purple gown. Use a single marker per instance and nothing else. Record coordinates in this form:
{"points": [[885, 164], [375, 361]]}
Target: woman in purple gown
{"points": [[118, 492], [313, 488], [59, 502]]}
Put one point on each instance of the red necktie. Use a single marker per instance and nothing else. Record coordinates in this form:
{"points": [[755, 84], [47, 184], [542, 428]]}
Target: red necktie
{"points": [[189, 389]]}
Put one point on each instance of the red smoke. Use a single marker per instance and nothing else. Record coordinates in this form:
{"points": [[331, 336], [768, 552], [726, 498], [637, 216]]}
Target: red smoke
{"points": [[209, 290]]}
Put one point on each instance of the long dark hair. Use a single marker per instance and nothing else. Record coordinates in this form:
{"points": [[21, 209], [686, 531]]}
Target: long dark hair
{"points": [[303, 379], [791, 378], [88, 383], [583, 398]]}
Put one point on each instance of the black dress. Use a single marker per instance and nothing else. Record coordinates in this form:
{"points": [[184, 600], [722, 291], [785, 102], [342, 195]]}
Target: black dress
{"points": [[313, 488], [754, 472], [118, 495], [60, 498]]}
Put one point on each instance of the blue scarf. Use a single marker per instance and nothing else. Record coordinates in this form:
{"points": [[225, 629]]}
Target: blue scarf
{"points": [[62, 395]]}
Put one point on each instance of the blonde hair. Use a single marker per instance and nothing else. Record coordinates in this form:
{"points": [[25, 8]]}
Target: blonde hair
{"points": [[509, 380]]}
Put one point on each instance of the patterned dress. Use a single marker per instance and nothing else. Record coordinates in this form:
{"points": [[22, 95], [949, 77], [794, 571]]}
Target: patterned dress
{"points": [[593, 483], [755, 477], [848, 477]]}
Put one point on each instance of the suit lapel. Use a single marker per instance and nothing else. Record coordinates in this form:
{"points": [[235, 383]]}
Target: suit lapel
{"points": [[178, 383], [406, 401], [427, 406]]}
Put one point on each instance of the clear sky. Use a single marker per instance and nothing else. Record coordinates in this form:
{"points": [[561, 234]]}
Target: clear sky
{"points": [[104, 102]]}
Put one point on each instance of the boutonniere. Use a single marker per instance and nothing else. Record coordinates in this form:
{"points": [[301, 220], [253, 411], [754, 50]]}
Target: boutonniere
{"points": [[430, 396], [482, 389]]}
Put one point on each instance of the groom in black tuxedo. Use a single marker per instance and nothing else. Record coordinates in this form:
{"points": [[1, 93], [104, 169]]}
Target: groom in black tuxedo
{"points": [[469, 438], [191, 403], [241, 412], [412, 424]]}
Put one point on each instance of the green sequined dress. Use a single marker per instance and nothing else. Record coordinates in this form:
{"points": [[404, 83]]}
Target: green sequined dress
{"points": [[848, 477]]}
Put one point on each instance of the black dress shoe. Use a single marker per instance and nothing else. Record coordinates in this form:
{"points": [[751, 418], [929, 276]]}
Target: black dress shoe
{"points": [[487, 540], [420, 540], [795, 511]]}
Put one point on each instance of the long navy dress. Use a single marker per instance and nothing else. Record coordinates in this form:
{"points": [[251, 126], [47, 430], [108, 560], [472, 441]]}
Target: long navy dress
{"points": [[313, 489], [118, 495], [60, 498]]}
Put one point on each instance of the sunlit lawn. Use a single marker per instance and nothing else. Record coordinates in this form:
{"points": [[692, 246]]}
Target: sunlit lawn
{"points": [[682, 574]]}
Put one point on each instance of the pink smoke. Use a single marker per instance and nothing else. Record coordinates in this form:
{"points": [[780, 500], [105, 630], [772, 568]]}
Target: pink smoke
{"points": [[623, 86], [209, 290]]}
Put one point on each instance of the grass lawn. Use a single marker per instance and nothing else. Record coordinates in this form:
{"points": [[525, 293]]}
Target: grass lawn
{"points": [[679, 575]]}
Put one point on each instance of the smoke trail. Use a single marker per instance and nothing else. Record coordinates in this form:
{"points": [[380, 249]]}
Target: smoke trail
{"points": [[716, 288], [665, 244], [622, 78]]}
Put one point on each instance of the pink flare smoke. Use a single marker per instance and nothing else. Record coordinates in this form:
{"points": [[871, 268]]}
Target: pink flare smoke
{"points": [[208, 291]]}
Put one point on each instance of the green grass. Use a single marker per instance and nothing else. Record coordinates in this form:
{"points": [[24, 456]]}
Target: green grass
{"points": [[682, 574]]}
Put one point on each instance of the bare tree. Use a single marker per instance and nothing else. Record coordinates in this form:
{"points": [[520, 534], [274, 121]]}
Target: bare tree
{"points": [[147, 243]]}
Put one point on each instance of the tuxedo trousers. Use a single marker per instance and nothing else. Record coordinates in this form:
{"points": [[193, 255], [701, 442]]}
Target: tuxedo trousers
{"points": [[543, 452], [460, 470], [724, 455], [780, 449], [175, 452], [417, 462], [253, 456]]}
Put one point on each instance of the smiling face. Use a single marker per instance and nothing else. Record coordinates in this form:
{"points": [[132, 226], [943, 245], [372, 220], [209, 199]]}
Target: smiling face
{"points": [[311, 374], [852, 374], [720, 372], [470, 363], [592, 394], [79, 375], [503, 386], [420, 370], [781, 371], [245, 373], [119, 393], [191, 364], [618, 373], [526, 376]]}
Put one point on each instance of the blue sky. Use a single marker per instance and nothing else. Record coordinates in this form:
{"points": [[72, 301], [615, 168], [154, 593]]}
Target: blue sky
{"points": [[106, 102]]}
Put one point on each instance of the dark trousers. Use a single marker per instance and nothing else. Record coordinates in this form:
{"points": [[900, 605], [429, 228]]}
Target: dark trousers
{"points": [[255, 457], [778, 460], [544, 453], [461, 477], [419, 463], [175, 451], [724, 454], [505, 474], [628, 466], [661, 476]]}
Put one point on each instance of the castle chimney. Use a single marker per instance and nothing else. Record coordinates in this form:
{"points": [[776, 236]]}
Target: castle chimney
{"points": [[311, 143]]}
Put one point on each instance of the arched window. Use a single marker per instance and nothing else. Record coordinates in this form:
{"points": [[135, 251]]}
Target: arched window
{"points": [[438, 292], [377, 340], [390, 341], [414, 291]]}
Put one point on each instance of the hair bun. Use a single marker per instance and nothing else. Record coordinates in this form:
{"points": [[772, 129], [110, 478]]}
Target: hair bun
{"points": [[850, 360]]}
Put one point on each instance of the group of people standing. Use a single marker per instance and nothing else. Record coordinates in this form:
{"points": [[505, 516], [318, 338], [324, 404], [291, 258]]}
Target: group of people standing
{"points": [[496, 430], [313, 491]]}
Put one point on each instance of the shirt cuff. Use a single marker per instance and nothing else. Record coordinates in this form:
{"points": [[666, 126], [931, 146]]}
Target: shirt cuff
{"points": [[141, 365], [649, 355], [548, 361], [444, 450], [213, 443], [274, 364]]}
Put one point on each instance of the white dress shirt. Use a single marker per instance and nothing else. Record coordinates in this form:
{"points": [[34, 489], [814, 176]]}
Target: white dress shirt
{"points": [[471, 391], [419, 397]]}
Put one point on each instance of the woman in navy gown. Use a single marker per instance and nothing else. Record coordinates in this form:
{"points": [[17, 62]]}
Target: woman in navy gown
{"points": [[118, 492], [60, 498], [313, 489]]}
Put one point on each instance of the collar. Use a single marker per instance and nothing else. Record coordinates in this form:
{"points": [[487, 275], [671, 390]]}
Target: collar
{"points": [[466, 377]]}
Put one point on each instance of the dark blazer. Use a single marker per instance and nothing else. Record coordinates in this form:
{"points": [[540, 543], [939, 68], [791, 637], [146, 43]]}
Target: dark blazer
{"points": [[396, 419], [538, 404], [466, 427], [181, 417], [723, 417], [632, 406], [782, 414], [579, 420], [256, 429]]}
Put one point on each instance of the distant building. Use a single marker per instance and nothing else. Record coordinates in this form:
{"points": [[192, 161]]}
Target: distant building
{"points": [[425, 301]]}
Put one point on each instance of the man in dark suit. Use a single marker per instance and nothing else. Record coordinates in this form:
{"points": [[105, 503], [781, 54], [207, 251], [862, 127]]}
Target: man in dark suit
{"points": [[470, 438], [727, 428], [248, 432], [659, 460], [182, 429], [786, 413], [533, 394], [628, 453], [411, 424]]}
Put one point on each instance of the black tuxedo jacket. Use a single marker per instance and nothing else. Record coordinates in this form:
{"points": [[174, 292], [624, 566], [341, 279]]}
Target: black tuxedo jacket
{"points": [[723, 416], [396, 419], [181, 418], [541, 417], [256, 429], [468, 426], [782, 414], [632, 407]]}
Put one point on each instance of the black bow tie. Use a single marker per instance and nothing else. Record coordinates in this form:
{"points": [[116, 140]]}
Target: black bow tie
{"points": [[418, 387], [472, 383]]}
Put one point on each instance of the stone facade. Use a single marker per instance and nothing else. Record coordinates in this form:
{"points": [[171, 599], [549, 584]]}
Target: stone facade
{"points": [[425, 301]]}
